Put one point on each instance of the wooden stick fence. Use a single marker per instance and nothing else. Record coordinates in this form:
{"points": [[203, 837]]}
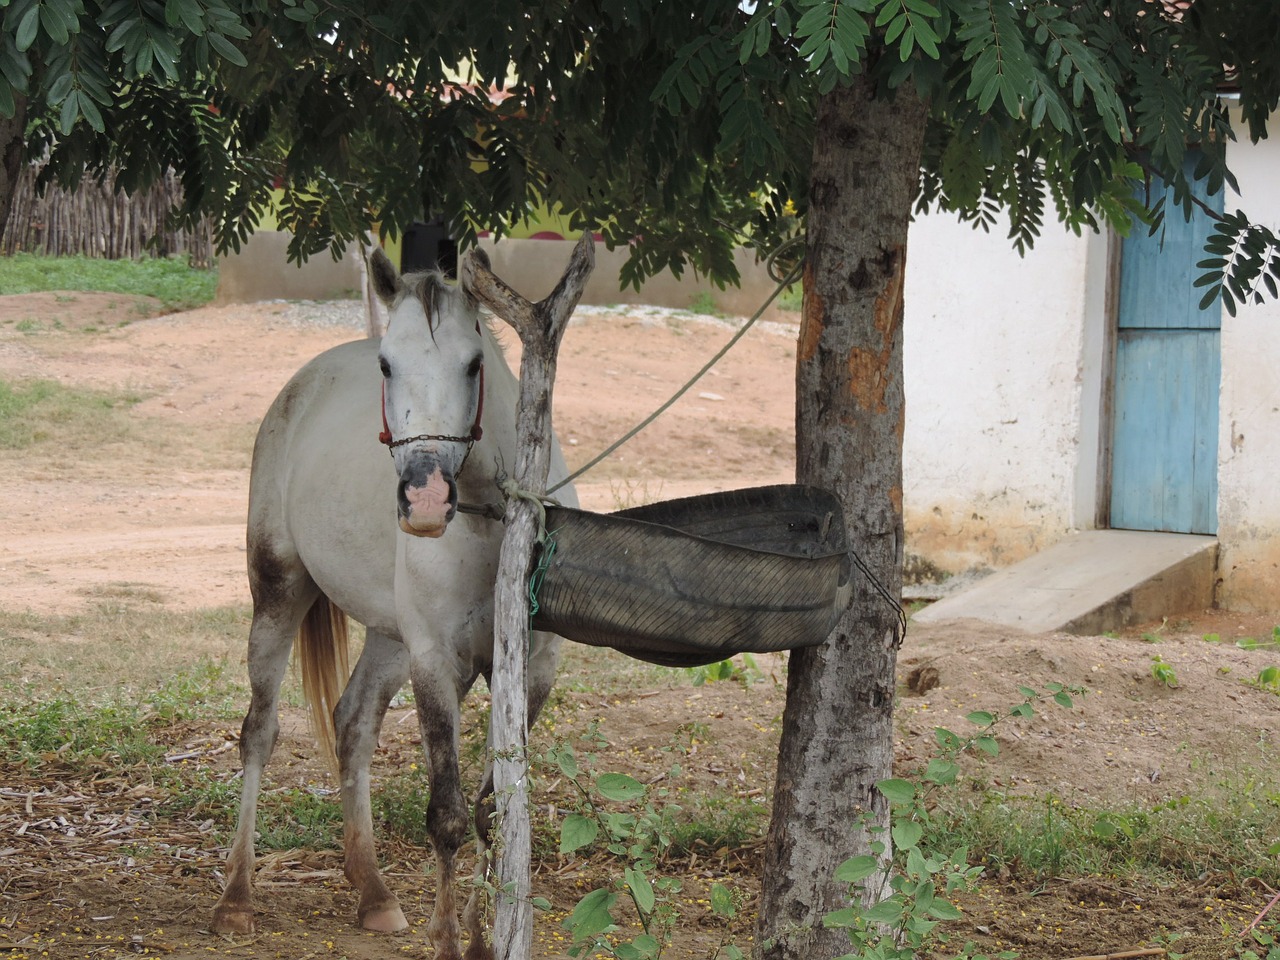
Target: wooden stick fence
{"points": [[98, 221]]}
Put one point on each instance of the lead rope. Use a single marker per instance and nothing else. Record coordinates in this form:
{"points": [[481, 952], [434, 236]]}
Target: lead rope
{"points": [[783, 282]]}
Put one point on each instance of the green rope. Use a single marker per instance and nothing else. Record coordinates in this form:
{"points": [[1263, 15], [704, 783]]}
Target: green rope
{"points": [[545, 556], [791, 277]]}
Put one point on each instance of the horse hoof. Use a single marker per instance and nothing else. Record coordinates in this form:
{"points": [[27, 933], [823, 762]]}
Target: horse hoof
{"points": [[478, 950], [237, 921], [385, 920]]}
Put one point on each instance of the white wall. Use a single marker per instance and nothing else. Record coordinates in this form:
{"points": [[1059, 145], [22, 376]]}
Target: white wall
{"points": [[997, 391], [1005, 361], [1249, 410]]}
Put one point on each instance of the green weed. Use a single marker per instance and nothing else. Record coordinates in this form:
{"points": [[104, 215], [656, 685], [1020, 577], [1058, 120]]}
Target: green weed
{"points": [[745, 672], [1162, 672], [705, 304], [174, 283]]}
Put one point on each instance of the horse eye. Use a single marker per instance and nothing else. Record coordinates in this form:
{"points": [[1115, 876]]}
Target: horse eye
{"points": [[476, 363], [386, 367]]}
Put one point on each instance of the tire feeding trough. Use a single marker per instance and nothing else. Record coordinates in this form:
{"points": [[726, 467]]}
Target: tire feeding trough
{"points": [[692, 581]]}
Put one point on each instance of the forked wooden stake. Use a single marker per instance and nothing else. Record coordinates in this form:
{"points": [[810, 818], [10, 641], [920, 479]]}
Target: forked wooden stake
{"points": [[540, 327]]}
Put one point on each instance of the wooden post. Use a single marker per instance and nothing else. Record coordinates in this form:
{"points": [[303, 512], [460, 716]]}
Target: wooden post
{"points": [[540, 327]]}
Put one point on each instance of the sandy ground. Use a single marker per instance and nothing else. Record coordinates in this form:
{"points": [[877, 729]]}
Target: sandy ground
{"points": [[157, 512]]}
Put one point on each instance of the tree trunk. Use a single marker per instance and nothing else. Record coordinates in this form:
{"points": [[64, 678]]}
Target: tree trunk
{"points": [[13, 143], [837, 732]]}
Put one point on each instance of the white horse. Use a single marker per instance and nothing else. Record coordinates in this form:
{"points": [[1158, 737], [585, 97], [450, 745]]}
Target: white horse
{"points": [[324, 508]]}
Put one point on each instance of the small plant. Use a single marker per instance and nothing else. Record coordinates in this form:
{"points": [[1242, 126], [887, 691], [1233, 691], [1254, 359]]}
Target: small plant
{"points": [[1267, 679], [1162, 672], [908, 877], [746, 674], [1249, 643], [641, 835]]}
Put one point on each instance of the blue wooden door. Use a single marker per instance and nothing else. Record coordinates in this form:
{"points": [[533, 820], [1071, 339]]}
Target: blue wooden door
{"points": [[1164, 454]]}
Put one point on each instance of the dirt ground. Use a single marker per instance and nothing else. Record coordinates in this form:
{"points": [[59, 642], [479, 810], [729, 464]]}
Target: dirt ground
{"points": [[166, 524]]}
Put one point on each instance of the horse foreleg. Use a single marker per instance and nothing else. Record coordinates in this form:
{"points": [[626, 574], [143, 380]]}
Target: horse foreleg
{"points": [[438, 699], [380, 672], [270, 639]]}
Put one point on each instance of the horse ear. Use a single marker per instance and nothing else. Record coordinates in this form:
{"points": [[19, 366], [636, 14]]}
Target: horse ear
{"points": [[386, 282]]}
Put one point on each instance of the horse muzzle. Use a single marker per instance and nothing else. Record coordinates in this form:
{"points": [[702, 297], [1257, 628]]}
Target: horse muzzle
{"points": [[426, 499]]}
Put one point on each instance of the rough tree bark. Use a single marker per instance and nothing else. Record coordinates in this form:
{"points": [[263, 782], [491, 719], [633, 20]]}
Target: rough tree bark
{"points": [[837, 733], [540, 327], [13, 152]]}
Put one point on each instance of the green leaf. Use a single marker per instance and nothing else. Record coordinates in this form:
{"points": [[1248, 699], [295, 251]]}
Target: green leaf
{"points": [[619, 787], [576, 832], [988, 745], [91, 113], [941, 772], [981, 718], [857, 868], [886, 911], [1063, 699], [907, 834], [722, 904], [641, 889], [225, 49], [53, 24], [28, 26], [945, 910], [842, 918], [897, 792], [70, 112], [567, 762], [947, 739], [591, 916]]}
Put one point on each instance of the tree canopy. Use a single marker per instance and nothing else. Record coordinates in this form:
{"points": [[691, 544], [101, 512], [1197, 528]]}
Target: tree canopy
{"points": [[681, 129]]}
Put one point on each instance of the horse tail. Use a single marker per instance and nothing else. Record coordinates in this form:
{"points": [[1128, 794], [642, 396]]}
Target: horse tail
{"points": [[321, 648]]}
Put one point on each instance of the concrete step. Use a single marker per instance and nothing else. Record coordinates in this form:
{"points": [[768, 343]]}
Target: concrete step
{"points": [[1091, 582]]}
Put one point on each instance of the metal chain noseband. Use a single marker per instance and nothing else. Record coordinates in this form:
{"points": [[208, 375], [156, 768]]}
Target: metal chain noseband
{"points": [[477, 431], [469, 441]]}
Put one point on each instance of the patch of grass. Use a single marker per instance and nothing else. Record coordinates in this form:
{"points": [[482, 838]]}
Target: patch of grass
{"points": [[705, 304], [42, 411], [173, 282], [118, 651], [291, 818], [1231, 828], [75, 731], [717, 822]]}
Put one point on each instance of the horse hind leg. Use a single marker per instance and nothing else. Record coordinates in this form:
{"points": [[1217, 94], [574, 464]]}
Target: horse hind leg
{"points": [[282, 595], [381, 670]]}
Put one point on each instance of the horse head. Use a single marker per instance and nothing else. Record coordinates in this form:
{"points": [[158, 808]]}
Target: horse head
{"points": [[432, 360]]}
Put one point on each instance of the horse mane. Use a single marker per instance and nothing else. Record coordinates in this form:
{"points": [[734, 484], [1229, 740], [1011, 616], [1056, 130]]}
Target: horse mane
{"points": [[426, 286]]}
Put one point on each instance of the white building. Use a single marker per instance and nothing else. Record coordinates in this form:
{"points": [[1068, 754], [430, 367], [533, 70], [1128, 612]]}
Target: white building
{"points": [[1081, 388]]}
